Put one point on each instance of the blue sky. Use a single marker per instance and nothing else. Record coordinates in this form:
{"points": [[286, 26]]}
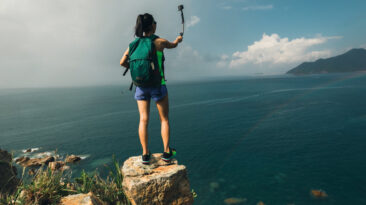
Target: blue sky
{"points": [[288, 18], [78, 43]]}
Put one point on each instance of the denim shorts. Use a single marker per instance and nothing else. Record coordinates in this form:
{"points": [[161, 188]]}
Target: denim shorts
{"points": [[156, 93]]}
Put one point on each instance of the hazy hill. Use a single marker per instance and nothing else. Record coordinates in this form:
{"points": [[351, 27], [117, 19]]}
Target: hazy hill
{"points": [[353, 60]]}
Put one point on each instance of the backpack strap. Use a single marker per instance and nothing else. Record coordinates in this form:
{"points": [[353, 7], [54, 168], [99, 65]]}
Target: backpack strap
{"points": [[131, 86], [153, 38], [162, 66]]}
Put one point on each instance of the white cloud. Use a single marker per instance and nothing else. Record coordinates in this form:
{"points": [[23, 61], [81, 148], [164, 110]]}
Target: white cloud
{"points": [[274, 50], [258, 7], [193, 21]]}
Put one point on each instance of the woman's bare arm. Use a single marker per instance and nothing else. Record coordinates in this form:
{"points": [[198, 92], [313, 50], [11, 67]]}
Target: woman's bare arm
{"points": [[163, 43], [124, 58]]}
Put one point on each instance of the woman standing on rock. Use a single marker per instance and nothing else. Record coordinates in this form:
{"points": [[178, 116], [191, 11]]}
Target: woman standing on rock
{"points": [[145, 32]]}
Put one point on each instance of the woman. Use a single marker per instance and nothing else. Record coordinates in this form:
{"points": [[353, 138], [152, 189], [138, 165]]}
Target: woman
{"points": [[146, 27]]}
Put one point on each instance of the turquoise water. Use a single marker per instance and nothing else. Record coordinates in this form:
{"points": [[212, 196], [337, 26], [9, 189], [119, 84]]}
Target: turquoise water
{"points": [[269, 139]]}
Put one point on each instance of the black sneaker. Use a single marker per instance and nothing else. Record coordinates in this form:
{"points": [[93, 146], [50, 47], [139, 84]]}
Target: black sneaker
{"points": [[146, 158], [169, 156]]}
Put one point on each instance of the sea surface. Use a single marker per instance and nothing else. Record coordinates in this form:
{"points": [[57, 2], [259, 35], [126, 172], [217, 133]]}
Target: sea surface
{"points": [[270, 139]]}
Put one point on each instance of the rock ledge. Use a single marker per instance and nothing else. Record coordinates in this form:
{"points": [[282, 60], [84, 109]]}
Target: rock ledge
{"points": [[159, 183]]}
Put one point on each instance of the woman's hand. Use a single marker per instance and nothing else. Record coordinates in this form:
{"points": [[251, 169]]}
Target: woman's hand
{"points": [[179, 39]]}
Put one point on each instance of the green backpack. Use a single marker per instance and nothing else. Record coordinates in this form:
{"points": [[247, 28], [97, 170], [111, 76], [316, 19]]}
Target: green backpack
{"points": [[144, 67]]}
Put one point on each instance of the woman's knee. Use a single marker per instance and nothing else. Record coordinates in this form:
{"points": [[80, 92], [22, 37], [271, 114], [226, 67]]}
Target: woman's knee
{"points": [[164, 119], [144, 119]]}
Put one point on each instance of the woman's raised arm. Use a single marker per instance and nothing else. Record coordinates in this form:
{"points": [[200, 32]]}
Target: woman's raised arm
{"points": [[166, 44]]}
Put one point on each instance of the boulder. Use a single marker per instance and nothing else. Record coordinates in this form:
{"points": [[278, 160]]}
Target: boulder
{"points": [[8, 173], [35, 162], [319, 194], [72, 159], [21, 159], [81, 199], [159, 183]]}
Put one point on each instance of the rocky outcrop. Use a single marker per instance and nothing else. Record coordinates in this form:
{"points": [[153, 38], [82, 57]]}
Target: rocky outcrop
{"points": [[72, 159], [34, 162], [47, 160], [8, 173], [81, 199], [21, 159], [58, 165], [159, 183]]}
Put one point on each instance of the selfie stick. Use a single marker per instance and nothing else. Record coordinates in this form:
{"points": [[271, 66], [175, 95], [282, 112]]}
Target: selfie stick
{"points": [[180, 8]]}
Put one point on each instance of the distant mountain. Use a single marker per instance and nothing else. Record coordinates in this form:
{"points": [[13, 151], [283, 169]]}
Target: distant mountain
{"points": [[351, 61]]}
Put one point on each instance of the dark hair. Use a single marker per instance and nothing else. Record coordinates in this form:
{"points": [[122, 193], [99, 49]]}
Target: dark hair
{"points": [[143, 24]]}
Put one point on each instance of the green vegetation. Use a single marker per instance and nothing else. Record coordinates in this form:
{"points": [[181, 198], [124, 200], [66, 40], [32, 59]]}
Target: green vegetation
{"points": [[48, 187], [109, 190], [194, 193]]}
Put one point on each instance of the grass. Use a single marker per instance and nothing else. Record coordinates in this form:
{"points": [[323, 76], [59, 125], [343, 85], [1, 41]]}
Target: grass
{"points": [[10, 199], [109, 190], [47, 187]]}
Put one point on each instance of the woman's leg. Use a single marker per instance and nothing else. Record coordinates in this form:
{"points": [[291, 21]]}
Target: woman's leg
{"points": [[163, 107], [144, 110]]}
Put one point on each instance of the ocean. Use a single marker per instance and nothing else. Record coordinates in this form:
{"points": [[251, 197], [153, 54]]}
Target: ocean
{"points": [[266, 138]]}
